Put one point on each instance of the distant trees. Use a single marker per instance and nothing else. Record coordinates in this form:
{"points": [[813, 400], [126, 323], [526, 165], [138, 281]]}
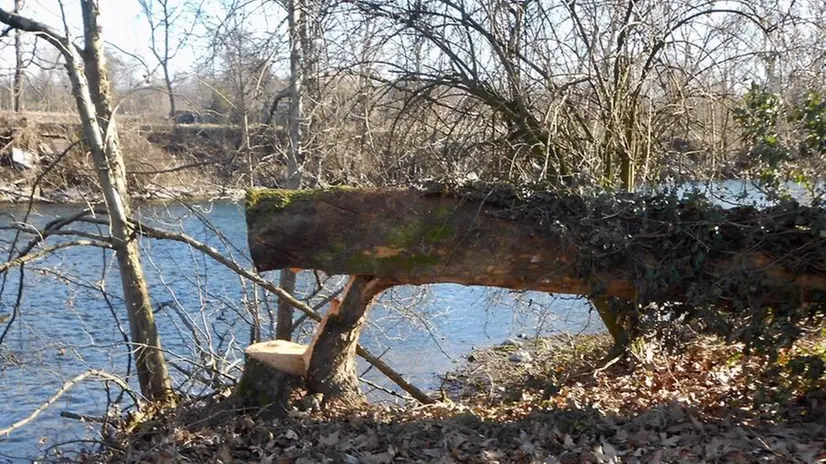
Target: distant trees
{"points": [[578, 87], [168, 36], [580, 93]]}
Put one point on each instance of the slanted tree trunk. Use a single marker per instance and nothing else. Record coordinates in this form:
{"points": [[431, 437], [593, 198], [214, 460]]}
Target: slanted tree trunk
{"points": [[87, 73], [332, 358], [149, 358]]}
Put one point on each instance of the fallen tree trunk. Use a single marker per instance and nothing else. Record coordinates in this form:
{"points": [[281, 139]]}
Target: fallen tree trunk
{"points": [[407, 236], [622, 254]]}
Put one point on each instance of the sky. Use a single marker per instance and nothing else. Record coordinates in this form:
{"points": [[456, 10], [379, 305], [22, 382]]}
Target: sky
{"points": [[124, 27], [121, 19], [122, 22]]}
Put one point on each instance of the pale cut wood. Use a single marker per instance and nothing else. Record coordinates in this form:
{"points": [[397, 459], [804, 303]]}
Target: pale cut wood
{"points": [[288, 357]]}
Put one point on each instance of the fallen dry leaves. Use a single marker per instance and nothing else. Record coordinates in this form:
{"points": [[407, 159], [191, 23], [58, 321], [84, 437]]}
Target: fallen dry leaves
{"points": [[705, 402]]}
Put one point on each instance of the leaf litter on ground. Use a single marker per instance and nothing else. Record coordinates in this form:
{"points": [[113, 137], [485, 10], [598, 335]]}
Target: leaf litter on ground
{"points": [[701, 401]]}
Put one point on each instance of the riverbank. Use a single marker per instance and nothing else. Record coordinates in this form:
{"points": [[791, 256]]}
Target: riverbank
{"points": [[543, 400], [14, 195], [42, 159]]}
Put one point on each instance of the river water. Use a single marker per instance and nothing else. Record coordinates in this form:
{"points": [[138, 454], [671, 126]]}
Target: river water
{"points": [[65, 326]]}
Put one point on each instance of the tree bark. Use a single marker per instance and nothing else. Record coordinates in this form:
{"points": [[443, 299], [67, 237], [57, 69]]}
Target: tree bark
{"points": [[284, 316], [87, 73], [266, 389], [619, 318], [295, 155], [149, 358], [166, 57], [407, 236], [167, 79], [17, 84], [332, 366]]}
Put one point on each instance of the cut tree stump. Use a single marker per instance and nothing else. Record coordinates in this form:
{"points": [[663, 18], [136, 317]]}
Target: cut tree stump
{"points": [[276, 368], [270, 377]]}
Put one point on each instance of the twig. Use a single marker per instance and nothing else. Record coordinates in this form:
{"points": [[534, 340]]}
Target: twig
{"points": [[608, 364], [46, 251], [66, 386], [81, 417], [369, 368], [384, 389]]}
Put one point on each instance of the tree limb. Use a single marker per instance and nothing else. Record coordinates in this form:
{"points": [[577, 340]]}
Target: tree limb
{"points": [[66, 386]]}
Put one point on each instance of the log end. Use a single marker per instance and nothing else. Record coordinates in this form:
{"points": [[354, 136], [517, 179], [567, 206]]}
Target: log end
{"points": [[281, 355]]}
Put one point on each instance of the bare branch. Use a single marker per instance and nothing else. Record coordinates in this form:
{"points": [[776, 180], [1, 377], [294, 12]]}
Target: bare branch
{"points": [[66, 387]]}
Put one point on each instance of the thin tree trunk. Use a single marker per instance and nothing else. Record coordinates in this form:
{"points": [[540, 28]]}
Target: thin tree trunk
{"points": [[296, 153], [17, 85], [284, 317], [101, 131], [619, 317], [166, 77], [170, 94], [626, 172]]}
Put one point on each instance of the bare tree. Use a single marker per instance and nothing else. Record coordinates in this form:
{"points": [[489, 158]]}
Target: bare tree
{"points": [[86, 69], [297, 24], [165, 40], [17, 86]]}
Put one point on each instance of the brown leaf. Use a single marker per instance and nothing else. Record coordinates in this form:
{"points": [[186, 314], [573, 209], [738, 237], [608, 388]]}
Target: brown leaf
{"points": [[225, 454], [329, 439], [379, 458]]}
